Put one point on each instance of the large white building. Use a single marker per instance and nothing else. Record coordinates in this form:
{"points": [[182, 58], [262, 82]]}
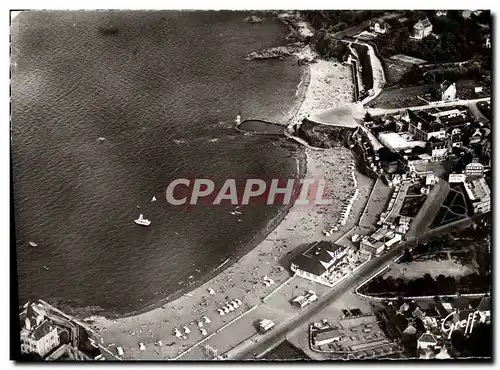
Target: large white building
{"points": [[313, 264], [38, 334], [422, 29], [478, 192]]}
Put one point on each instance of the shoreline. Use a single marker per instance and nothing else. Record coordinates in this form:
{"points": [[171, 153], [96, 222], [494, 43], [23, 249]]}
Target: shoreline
{"points": [[323, 84], [229, 261], [302, 88]]}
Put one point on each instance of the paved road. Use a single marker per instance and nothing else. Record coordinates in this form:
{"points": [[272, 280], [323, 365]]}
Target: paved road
{"points": [[468, 103], [277, 335]]}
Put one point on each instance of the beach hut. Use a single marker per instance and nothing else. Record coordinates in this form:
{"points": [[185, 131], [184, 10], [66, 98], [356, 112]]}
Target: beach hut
{"points": [[142, 347], [221, 312], [238, 302], [211, 291], [186, 330], [177, 333], [271, 281], [234, 304], [226, 310], [200, 324], [119, 350], [203, 332], [206, 319], [231, 308]]}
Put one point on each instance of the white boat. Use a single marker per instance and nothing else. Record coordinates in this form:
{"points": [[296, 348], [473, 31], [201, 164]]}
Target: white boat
{"points": [[33, 244], [142, 221], [154, 199]]}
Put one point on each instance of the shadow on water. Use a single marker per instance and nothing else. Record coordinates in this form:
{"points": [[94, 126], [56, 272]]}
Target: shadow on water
{"points": [[256, 126]]}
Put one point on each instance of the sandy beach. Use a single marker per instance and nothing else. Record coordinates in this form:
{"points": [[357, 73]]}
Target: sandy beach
{"points": [[329, 85]]}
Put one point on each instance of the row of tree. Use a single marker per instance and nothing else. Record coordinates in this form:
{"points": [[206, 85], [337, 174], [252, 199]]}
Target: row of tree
{"points": [[429, 286]]}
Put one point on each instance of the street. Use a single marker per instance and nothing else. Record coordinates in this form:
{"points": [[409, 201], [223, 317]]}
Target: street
{"points": [[276, 336]]}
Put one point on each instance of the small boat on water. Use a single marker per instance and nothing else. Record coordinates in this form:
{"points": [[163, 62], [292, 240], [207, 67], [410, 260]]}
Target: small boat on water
{"points": [[142, 221], [33, 244], [154, 199]]}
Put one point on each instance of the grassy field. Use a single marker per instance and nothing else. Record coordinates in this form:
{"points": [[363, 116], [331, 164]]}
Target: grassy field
{"points": [[398, 97], [417, 269]]}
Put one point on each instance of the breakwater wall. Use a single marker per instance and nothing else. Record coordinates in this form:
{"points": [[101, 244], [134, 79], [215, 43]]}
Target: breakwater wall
{"points": [[257, 126]]}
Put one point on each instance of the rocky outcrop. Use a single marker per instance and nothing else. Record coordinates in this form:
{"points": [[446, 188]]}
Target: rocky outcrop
{"points": [[329, 47], [324, 136], [279, 52]]}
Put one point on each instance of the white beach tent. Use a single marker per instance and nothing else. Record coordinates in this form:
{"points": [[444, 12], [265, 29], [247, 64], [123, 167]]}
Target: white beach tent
{"points": [[142, 347], [120, 351]]}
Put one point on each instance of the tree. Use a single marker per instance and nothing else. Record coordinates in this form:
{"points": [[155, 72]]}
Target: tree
{"points": [[407, 257]]}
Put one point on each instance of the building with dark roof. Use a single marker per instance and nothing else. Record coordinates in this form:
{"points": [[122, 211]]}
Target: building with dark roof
{"points": [[313, 264], [423, 126], [427, 340], [38, 334]]}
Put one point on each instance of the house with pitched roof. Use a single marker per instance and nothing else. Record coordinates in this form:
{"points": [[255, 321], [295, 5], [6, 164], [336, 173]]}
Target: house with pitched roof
{"points": [[38, 334], [313, 264], [380, 27], [447, 91], [422, 29], [427, 340], [423, 126]]}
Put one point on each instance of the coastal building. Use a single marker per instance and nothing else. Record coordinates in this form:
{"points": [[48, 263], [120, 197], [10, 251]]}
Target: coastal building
{"points": [[456, 178], [313, 264], [427, 341], [371, 247], [380, 27], [431, 179], [474, 169], [399, 141], [423, 126], [403, 225], [447, 91], [38, 334], [438, 149], [478, 193], [327, 336], [422, 29]]}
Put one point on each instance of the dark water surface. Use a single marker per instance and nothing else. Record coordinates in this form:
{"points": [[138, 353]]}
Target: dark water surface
{"points": [[163, 90]]}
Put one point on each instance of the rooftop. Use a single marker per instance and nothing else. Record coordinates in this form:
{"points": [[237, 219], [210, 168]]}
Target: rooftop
{"points": [[318, 252], [428, 338], [424, 23], [42, 330]]}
